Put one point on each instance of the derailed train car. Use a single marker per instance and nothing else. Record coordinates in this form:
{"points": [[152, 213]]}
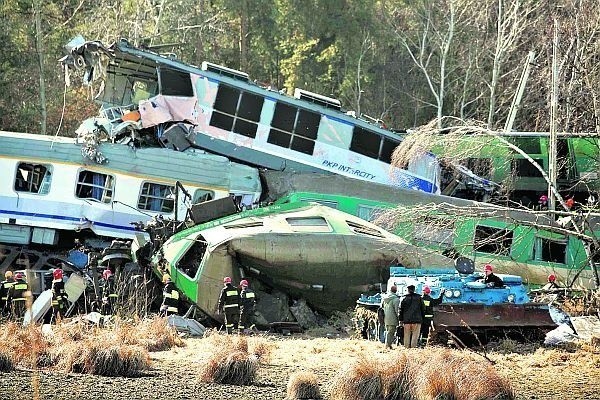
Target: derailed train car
{"points": [[306, 250]]}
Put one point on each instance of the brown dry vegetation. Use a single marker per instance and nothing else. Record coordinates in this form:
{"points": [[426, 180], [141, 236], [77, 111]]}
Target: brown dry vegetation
{"points": [[534, 372]]}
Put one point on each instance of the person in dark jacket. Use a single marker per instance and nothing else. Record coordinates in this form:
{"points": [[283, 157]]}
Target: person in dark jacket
{"points": [[170, 303], [5, 285], [59, 295], [429, 303], [18, 295], [492, 280], [247, 305], [229, 303], [412, 312]]}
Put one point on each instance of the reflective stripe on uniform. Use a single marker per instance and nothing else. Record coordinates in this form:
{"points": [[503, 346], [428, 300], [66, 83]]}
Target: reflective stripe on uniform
{"points": [[249, 295], [429, 316], [231, 293], [173, 295], [427, 302], [173, 309], [230, 305], [113, 295], [20, 286], [19, 299]]}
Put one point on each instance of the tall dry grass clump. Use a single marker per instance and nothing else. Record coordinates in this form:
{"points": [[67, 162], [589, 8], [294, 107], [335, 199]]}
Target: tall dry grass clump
{"points": [[303, 385], [432, 373], [26, 345], [154, 334], [234, 360], [363, 380]]}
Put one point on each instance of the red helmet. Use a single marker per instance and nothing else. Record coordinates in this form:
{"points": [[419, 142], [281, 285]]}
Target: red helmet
{"points": [[426, 290], [58, 273], [227, 279], [488, 267], [19, 275], [551, 278], [107, 274], [244, 283]]}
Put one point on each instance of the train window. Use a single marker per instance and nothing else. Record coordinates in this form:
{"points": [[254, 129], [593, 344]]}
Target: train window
{"points": [[551, 250], [308, 224], [191, 260], [387, 149], [529, 145], [94, 185], [201, 195], [479, 166], [237, 111], [364, 230], [365, 142], [175, 83], [522, 167], [33, 178], [294, 128], [157, 197], [492, 240]]}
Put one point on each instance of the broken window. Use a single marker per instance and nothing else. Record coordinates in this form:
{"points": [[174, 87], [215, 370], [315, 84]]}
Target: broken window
{"points": [[192, 259], [294, 128], [308, 224], [479, 166], [33, 178], [387, 148], [492, 240], [551, 250], [94, 185], [201, 195], [157, 197], [522, 167], [175, 83], [363, 230], [237, 111], [529, 145]]}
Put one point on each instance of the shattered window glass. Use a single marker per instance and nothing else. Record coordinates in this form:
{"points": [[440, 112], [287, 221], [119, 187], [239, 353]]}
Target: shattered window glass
{"points": [[294, 128], [192, 259], [365, 142], [522, 167], [95, 186], [236, 111], [157, 197], [201, 195], [175, 83], [33, 178], [550, 250], [492, 240]]}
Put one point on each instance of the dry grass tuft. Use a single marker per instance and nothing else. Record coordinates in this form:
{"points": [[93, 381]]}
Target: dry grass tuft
{"points": [[234, 359], [432, 373], [234, 368], [303, 385], [6, 362], [361, 381]]}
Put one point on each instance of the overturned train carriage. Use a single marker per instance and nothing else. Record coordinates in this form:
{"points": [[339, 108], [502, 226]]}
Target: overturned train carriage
{"points": [[306, 250]]}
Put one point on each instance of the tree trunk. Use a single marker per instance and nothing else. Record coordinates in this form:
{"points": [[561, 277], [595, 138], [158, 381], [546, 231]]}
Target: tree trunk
{"points": [[37, 11]]}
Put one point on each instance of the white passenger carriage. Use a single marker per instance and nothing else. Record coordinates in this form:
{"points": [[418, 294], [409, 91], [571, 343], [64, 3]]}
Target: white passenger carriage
{"points": [[47, 186], [233, 116]]}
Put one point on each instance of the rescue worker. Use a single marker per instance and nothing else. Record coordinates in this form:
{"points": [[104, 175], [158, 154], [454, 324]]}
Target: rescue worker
{"points": [[551, 283], [411, 315], [5, 285], [391, 307], [170, 303], [492, 280], [18, 295], [109, 292], [229, 303], [247, 306], [59, 295], [429, 303]]}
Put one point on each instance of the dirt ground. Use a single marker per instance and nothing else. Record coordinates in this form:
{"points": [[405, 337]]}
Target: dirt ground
{"points": [[535, 372]]}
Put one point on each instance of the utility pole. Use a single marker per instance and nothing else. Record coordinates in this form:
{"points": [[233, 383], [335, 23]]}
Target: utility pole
{"points": [[516, 103], [553, 110]]}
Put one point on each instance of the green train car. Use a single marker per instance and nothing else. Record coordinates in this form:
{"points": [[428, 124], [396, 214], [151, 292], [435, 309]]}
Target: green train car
{"points": [[515, 242], [577, 165]]}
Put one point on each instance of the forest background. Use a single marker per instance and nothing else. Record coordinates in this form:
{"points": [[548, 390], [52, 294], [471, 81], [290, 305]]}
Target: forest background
{"points": [[402, 61]]}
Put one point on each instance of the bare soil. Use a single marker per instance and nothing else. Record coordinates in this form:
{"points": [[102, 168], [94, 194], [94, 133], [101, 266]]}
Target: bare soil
{"points": [[535, 372]]}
